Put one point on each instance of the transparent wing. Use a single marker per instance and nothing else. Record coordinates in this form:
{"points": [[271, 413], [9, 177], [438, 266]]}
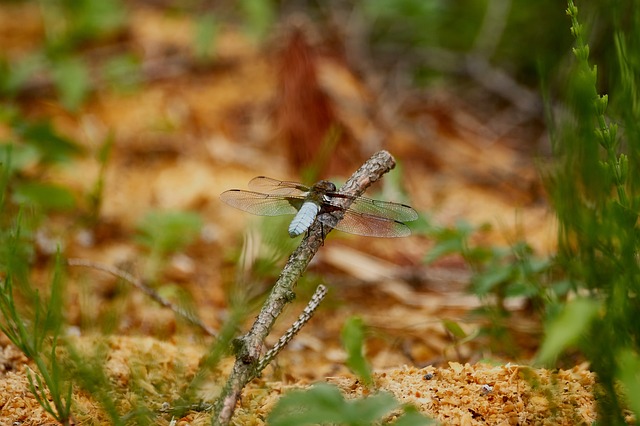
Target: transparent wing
{"points": [[261, 204], [277, 187], [367, 225], [382, 209]]}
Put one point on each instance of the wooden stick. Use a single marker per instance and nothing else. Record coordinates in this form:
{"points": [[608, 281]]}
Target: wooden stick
{"points": [[250, 345], [305, 316]]}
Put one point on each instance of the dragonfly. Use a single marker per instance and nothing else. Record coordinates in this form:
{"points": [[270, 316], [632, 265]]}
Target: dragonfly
{"points": [[321, 202]]}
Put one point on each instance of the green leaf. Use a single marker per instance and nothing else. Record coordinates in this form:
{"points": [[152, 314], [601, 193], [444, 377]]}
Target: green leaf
{"points": [[353, 336], [46, 196], [412, 417], [54, 318], [450, 240], [324, 403], [14, 74], [485, 282], [22, 156], [368, 410], [92, 19], [629, 374], [319, 404], [565, 330], [259, 16], [206, 36], [52, 147], [71, 78], [454, 328], [443, 248]]}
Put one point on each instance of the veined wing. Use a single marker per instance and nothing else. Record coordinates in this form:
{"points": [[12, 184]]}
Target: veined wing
{"points": [[277, 187], [261, 204], [382, 209], [365, 224]]}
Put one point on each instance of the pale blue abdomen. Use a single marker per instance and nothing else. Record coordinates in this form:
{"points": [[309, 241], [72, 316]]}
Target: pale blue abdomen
{"points": [[303, 219]]}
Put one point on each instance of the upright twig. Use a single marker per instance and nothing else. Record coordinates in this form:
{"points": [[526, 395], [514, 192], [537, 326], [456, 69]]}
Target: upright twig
{"points": [[249, 346]]}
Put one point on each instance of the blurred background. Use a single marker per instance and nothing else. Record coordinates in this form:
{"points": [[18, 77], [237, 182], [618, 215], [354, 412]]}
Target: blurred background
{"points": [[121, 122]]}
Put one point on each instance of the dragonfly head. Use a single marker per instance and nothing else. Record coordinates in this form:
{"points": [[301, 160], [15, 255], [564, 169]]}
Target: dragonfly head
{"points": [[324, 186]]}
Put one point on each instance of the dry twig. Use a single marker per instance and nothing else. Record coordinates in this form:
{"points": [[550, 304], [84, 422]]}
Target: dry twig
{"points": [[137, 283], [250, 345], [305, 316]]}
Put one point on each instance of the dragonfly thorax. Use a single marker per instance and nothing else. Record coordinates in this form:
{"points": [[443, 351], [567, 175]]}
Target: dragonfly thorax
{"points": [[314, 198]]}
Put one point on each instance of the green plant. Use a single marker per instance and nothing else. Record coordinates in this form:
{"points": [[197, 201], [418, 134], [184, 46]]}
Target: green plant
{"points": [[32, 148], [71, 78], [33, 319], [36, 335], [445, 38], [325, 404], [498, 274], [87, 371], [39, 342], [70, 23], [15, 74], [95, 197], [69, 26], [259, 16], [32, 323], [594, 187], [205, 37], [353, 336]]}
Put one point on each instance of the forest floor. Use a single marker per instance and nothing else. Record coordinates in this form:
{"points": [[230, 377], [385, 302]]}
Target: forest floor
{"points": [[191, 132]]}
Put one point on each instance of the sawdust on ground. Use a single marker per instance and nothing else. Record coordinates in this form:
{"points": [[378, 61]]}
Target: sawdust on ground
{"points": [[454, 394]]}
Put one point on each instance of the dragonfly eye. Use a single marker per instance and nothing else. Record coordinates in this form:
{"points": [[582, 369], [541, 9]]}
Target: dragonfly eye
{"points": [[328, 186], [325, 185]]}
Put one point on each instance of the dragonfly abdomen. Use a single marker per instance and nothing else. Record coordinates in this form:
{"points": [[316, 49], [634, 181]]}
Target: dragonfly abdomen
{"points": [[303, 219]]}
